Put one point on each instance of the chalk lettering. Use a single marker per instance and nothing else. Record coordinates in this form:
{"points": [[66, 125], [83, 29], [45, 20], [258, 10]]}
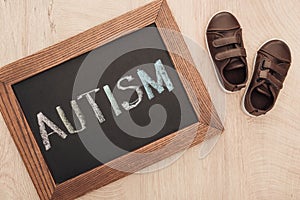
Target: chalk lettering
{"points": [[42, 121], [93, 104], [161, 76], [67, 123], [112, 100], [162, 80], [126, 105]]}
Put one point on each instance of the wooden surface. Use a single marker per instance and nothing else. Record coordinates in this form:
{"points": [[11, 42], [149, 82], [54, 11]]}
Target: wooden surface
{"points": [[156, 12], [255, 158]]}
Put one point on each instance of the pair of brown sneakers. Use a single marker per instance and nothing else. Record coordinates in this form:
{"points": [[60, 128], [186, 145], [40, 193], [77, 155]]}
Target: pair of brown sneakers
{"points": [[226, 48]]}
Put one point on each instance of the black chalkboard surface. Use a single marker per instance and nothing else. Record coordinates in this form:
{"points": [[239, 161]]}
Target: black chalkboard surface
{"points": [[77, 153]]}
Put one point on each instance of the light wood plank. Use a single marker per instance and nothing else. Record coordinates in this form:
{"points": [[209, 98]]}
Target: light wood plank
{"points": [[254, 159]]}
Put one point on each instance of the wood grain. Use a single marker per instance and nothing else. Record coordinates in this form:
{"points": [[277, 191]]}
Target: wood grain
{"points": [[180, 55], [256, 158], [155, 12], [79, 44]]}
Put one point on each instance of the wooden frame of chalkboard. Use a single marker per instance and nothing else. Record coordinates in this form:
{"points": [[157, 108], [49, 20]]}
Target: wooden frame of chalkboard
{"points": [[156, 12]]}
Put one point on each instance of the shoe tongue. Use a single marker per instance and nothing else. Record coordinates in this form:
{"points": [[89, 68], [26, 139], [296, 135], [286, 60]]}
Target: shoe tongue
{"points": [[229, 33], [264, 89], [235, 63]]}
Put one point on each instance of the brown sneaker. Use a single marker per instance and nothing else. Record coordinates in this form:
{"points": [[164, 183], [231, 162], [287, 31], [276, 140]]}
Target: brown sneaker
{"points": [[225, 44], [272, 63]]}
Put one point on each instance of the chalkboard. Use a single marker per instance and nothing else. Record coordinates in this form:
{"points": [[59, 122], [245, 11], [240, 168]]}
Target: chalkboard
{"points": [[43, 92], [106, 103]]}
